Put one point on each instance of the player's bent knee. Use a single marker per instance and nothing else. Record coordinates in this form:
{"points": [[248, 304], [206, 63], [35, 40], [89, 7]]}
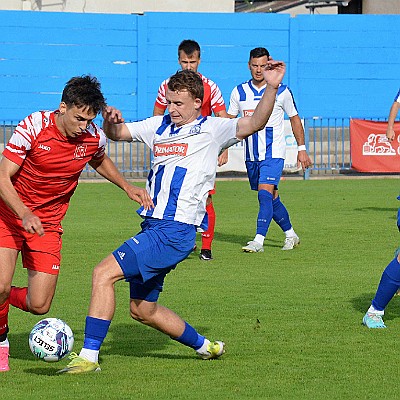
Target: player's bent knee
{"points": [[5, 290], [143, 313], [108, 271], [39, 309]]}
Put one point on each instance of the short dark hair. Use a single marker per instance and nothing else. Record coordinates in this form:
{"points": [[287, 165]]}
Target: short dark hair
{"points": [[189, 81], [259, 52], [189, 47], [84, 92]]}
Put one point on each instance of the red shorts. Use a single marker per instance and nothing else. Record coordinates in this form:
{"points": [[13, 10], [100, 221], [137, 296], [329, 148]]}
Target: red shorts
{"points": [[39, 253]]}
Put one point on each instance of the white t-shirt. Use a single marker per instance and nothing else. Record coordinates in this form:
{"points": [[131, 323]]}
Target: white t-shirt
{"points": [[269, 142], [184, 165]]}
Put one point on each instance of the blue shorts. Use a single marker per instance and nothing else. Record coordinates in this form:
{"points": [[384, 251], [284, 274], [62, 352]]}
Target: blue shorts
{"points": [[267, 171], [146, 258]]}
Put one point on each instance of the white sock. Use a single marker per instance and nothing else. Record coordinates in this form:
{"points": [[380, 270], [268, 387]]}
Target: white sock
{"points": [[259, 239], [5, 343], [203, 348], [91, 355], [290, 233], [371, 309]]}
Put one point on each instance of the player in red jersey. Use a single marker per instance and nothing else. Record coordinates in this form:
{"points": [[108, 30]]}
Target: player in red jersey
{"points": [[213, 102], [39, 172]]}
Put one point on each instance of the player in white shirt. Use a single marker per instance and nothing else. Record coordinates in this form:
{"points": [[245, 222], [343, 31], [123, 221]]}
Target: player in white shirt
{"points": [[390, 133], [213, 103], [186, 146], [265, 150]]}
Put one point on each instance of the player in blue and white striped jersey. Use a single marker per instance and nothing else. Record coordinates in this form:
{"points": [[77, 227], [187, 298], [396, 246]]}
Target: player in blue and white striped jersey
{"points": [[186, 146], [394, 109], [389, 284], [265, 150]]}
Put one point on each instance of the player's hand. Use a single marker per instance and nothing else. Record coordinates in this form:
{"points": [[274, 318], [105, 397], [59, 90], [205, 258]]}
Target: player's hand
{"points": [[274, 72], [223, 158], [32, 224], [390, 134], [303, 160], [112, 115], [141, 196]]}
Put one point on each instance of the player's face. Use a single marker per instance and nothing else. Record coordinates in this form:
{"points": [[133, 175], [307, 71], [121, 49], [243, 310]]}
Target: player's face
{"points": [[256, 67], [182, 107], [189, 62], [72, 121]]}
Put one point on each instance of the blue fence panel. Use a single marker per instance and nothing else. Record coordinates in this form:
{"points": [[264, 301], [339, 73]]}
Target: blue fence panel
{"points": [[40, 52], [338, 66]]}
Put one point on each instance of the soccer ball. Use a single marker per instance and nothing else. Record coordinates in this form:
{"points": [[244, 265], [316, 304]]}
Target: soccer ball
{"points": [[51, 339]]}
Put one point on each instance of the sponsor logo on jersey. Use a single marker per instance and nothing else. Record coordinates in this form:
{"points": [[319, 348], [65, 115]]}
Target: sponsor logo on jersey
{"points": [[121, 254], [43, 147], [172, 149], [80, 151], [55, 267], [248, 113]]}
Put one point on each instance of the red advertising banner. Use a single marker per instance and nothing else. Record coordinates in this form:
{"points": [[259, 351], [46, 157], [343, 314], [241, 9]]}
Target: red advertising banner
{"points": [[370, 149]]}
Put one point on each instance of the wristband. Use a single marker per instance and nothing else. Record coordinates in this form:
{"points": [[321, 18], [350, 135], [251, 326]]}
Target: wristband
{"points": [[301, 147]]}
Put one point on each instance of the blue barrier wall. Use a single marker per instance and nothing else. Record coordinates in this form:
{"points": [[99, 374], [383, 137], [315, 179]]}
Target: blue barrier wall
{"points": [[338, 65]]}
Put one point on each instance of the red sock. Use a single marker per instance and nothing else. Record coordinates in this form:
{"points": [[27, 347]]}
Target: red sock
{"points": [[18, 297], [4, 317], [208, 236]]}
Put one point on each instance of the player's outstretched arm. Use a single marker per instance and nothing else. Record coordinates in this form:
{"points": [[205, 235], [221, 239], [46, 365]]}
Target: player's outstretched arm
{"points": [[114, 125], [390, 133], [107, 169], [30, 222], [303, 159], [273, 74]]}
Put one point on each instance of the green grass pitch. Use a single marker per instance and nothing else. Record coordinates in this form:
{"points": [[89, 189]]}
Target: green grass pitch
{"points": [[291, 320]]}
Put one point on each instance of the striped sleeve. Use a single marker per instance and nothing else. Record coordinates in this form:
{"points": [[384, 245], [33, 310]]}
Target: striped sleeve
{"points": [[25, 135], [161, 101], [217, 101]]}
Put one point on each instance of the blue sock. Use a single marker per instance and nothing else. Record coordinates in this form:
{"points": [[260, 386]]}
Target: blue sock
{"points": [[390, 282], [265, 212], [190, 337], [281, 215], [95, 332]]}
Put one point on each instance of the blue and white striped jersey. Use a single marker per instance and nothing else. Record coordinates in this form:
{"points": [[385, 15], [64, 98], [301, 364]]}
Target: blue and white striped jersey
{"points": [[397, 98], [269, 142], [184, 164]]}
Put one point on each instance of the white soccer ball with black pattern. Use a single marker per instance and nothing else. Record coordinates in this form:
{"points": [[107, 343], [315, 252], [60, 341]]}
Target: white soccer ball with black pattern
{"points": [[51, 339]]}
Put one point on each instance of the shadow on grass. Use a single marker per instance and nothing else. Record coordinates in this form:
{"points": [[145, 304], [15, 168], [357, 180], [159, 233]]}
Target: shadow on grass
{"points": [[136, 340], [362, 302], [385, 209], [242, 240], [44, 371]]}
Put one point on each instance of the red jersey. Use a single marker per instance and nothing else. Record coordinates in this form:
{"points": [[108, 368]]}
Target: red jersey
{"points": [[50, 163], [212, 100]]}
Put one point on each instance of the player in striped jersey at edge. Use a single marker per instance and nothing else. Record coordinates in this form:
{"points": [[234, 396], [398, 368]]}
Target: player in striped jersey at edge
{"points": [[265, 150], [185, 146], [387, 288], [390, 134], [213, 102], [39, 173], [390, 279]]}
